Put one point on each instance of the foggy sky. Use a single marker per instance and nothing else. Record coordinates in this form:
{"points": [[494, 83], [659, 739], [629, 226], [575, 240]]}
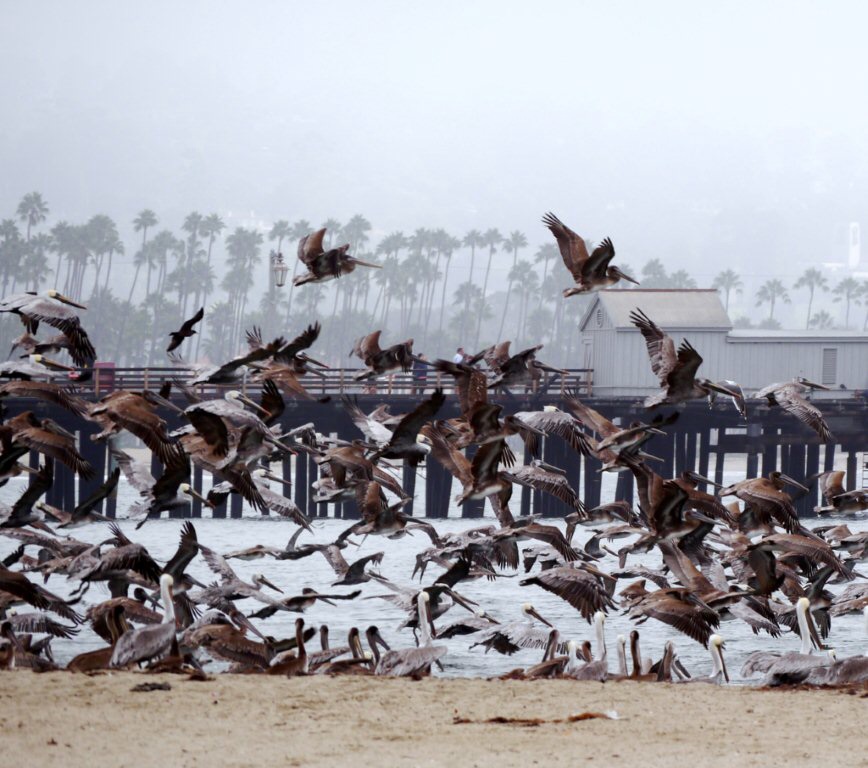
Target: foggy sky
{"points": [[707, 136]]}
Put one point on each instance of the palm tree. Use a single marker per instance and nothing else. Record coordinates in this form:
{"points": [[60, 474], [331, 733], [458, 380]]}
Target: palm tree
{"points": [[491, 238], [543, 254], [812, 279], [770, 291], [11, 250], [142, 223], [32, 209], [654, 275], [279, 230], [34, 270], [526, 279], [515, 241], [211, 226], [104, 240], [822, 320], [355, 232], [848, 290], [447, 245], [727, 281], [680, 279]]}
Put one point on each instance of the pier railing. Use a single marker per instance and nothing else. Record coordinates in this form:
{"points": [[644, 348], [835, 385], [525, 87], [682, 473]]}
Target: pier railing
{"points": [[332, 381]]}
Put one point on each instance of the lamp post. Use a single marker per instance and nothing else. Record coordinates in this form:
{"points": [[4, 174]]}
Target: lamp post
{"points": [[279, 269]]}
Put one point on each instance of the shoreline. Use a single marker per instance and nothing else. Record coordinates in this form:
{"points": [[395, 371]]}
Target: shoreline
{"points": [[59, 718]]}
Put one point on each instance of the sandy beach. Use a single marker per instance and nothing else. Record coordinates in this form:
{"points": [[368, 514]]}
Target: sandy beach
{"points": [[61, 719]]}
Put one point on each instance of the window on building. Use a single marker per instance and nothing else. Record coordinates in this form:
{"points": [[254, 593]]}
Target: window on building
{"points": [[830, 366]]}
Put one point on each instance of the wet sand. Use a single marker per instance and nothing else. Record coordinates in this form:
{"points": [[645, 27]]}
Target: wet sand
{"points": [[61, 719]]}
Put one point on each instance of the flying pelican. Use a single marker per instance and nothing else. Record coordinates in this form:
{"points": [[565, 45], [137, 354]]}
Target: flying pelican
{"points": [[789, 396], [675, 370], [150, 642], [767, 500], [325, 265], [520, 368], [585, 588], [185, 331], [836, 498], [53, 308], [47, 437], [379, 361], [590, 271], [515, 635]]}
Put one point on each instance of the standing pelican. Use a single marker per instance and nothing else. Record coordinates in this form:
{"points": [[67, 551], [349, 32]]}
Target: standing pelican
{"points": [[149, 642], [411, 662]]}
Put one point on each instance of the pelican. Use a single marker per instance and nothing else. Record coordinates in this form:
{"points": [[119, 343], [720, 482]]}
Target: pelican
{"points": [[766, 500], [511, 637], [791, 666], [837, 499], [586, 589], [37, 366], [596, 669], [675, 370], [379, 361], [47, 437], [150, 642], [53, 308], [520, 368], [590, 271], [719, 674], [411, 662], [325, 265], [789, 396]]}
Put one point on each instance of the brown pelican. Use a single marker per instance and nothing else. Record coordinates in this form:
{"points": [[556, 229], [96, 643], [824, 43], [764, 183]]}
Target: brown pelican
{"points": [[836, 498], [53, 309], [789, 667], [550, 479], [719, 674], [403, 442], [101, 658], [675, 370], [515, 635], [185, 331], [86, 512], [586, 588], [298, 663], [410, 662], [737, 396], [171, 491], [678, 607], [48, 438], [21, 512], [595, 669], [47, 391], [325, 265], [844, 672], [216, 633], [300, 603], [766, 499], [379, 361], [36, 366], [149, 642], [520, 368], [136, 413], [231, 586], [789, 396], [590, 271]]}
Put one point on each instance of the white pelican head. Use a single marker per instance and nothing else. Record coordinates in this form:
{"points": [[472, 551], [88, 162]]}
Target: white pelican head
{"points": [[551, 409]]}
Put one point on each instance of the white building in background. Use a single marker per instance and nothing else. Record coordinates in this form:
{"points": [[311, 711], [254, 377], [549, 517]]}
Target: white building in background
{"points": [[615, 349]]}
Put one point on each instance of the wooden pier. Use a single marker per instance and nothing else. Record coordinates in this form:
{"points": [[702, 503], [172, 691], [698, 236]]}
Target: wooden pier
{"points": [[702, 439]]}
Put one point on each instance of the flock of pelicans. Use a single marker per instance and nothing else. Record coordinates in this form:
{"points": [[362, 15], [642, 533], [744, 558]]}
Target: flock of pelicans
{"points": [[738, 552]]}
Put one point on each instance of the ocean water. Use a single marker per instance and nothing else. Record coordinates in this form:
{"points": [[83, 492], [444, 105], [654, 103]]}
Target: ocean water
{"points": [[502, 598]]}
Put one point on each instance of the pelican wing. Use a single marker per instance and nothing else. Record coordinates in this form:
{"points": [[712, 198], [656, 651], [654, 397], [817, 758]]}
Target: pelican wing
{"points": [[598, 262], [583, 591], [573, 250], [136, 473], [793, 403], [661, 348], [310, 246]]}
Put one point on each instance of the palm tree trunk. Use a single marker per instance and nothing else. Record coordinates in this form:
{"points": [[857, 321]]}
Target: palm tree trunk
{"points": [[443, 294], [810, 301], [484, 296]]}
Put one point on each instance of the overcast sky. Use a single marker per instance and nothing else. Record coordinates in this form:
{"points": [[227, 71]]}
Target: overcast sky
{"points": [[693, 132]]}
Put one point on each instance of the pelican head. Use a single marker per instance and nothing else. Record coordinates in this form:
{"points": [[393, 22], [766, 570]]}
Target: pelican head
{"points": [[780, 477], [189, 490], [529, 610], [260, 579], [551, 409], [810, 384], [234, 396], [166, 581], [58, 296], [599, 617], [619, 275]]}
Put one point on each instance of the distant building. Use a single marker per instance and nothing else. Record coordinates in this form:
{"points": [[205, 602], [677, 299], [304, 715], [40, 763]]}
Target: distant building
{"points": [[615, 349]]}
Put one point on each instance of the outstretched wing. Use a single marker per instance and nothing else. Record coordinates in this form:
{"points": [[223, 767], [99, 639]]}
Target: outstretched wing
{"points": [[574, 252], [661, 348]]}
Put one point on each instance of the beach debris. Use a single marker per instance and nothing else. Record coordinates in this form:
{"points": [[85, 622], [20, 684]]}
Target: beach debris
{"points": [[147, 687], [533, 722]]}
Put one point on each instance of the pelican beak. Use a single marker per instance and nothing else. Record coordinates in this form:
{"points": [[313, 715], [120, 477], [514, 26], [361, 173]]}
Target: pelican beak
{"points": [[702, 479], [267, 583], [196, 495], [31, 470], [313, 360], [813, 384], [378, 638], [719, 388], [627, 277], [533, 612], [271, 476], [54, 365], [463, 601], [253, 404], [67, 300], [812, 628], [795, 483]]}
